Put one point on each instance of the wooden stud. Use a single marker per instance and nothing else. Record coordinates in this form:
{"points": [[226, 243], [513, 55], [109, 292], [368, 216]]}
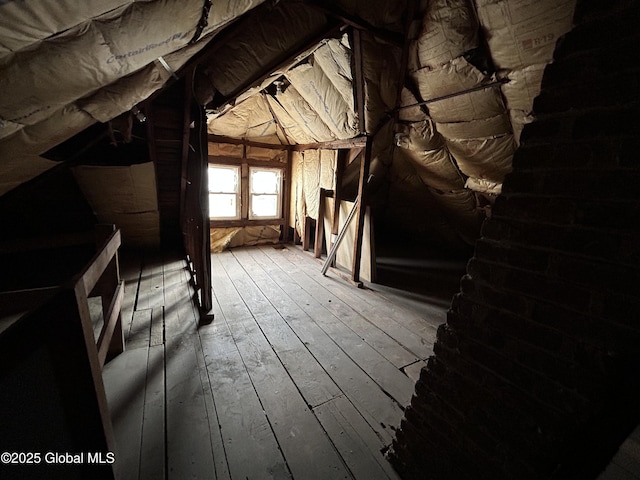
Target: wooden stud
{"points": [[358, 23], [306, 238], [186, 134], [109, 341], [362, 208], [286, 200], [317, 245], [92, 273], [358, 80], [214, 160], [337, 196], [249, 143]]}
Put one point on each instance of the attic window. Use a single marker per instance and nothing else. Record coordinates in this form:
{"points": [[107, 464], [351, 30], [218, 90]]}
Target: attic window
{"points": [[265, 186], [224, 192]]}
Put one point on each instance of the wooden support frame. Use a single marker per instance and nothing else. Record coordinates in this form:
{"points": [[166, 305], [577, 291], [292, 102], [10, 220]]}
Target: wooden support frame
{"points": [[357, 23], [186, 136], [358, 80], [286, 201], [341, 166], [306, 239], [102, 277], [355, 142], [317, 245], [214, 160], [331, 30], [361, 211], [248, 143]]}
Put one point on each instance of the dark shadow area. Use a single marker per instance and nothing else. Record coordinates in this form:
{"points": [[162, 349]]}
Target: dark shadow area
{"points": [[419, 270]]}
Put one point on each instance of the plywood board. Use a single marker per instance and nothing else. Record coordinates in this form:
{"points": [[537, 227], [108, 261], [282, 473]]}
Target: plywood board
{"points": [[344, 255]]}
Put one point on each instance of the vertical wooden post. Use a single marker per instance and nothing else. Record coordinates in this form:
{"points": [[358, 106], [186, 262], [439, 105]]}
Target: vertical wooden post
{"points": [[186, 134], [306, 238], [358, 79], [317, 245], [337, 193], [286, 204], [365, 165]]}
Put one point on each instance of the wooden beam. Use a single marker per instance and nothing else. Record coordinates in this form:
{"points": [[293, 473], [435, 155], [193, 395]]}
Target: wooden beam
{"points": [[244, 190], [245, 223], [306, 239], [275, 118], [215, 160], [91, 274], [332, 29], [410, 30], [394, 38], [337, 197], [112, 320], [186, 135], [362, 209], [355, 142], [248, 143], [358, 79], [84, 315], [286, 201]]}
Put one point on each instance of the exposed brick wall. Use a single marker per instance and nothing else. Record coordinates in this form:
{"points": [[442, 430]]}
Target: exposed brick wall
{"points": [[536, 373]]}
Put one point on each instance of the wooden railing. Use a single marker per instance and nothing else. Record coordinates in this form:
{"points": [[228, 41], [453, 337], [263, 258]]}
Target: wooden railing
{"points": [[101, 277], [64, 375]]}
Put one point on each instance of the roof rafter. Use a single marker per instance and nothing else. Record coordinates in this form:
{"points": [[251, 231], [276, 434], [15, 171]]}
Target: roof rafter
{"points": [[394, 38]]}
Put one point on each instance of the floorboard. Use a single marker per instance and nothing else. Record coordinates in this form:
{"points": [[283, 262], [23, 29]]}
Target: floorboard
{"points": [[382, 412], [298, 376], [250, 445], [414, 331], [379, 369]]}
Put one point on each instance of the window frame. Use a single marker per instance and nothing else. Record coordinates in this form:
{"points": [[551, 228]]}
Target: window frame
{"points": [[244, 164], [278, 194], [237, 193]]}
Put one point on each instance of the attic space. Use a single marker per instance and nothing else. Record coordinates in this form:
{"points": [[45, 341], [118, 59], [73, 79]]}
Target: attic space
{"points": [[300, 239]]}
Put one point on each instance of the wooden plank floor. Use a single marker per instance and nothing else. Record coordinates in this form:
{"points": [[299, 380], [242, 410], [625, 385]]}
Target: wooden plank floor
{"points": [[299, 375]]}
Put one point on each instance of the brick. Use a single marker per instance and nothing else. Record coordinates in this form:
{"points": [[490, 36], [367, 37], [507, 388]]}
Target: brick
{"points": [[587, 10], [593, 273], [607, 123], [514, 255], [573, 70], [623, 247], [578, 325], [487, 294], [585, 184], [620, 215], [541, 209], [628, 152], [593, 154], [531, 155], [545, 131], [605, 31], [618, 89], [623, 309], [542, 340], [531, 285]]}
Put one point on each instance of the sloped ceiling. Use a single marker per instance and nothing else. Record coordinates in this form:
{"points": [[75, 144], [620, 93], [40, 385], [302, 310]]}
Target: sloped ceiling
{"points": [[445, 85]]}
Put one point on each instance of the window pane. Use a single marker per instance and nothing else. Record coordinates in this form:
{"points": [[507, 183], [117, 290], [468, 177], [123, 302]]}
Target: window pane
{"points": [[223, 179], [265, 181], [264, 206], [222, 205]]}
